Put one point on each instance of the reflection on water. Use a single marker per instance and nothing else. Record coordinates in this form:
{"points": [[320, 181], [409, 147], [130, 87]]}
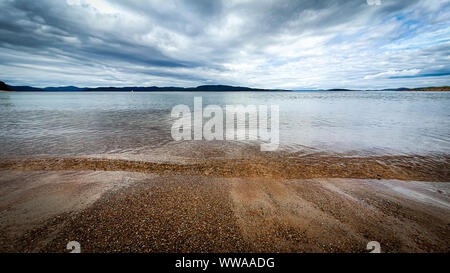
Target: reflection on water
{"points": [[139, 123]]}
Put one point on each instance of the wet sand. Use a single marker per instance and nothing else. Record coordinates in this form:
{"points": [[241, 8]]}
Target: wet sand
{"points": [[420, 168], [275, 204]]}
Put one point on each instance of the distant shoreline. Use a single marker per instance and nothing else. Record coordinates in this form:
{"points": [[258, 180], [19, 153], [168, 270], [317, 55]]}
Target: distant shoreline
{"points": [[202, 88], [428, 90], [242, 91]]}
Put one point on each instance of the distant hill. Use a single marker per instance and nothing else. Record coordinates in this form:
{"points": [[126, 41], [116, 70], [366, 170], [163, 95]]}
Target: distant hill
{"points": [[339, 89], [64, 88], [433, 88], [6, 87], [198, 88], [437, 88]]}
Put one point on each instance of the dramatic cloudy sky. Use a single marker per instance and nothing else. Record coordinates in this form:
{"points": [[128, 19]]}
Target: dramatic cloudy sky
{"points": [[262, 43]]}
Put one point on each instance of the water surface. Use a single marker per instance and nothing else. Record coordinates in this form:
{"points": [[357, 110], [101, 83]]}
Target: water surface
{"points": [[361, 123]]}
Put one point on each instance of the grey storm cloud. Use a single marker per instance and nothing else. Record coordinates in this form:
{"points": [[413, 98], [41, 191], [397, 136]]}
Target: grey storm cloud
{"points": [[265, 43]]}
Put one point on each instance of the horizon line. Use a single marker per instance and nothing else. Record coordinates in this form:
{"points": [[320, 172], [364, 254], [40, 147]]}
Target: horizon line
{"points": [[184, 88]]}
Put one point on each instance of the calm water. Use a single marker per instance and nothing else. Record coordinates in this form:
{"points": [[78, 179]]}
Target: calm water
{"points": [[343, 122]]}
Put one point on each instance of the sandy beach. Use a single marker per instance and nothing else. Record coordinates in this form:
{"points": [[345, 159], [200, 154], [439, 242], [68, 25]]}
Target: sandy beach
{"points": [[216, 127], [103, 169], [277, 204]]}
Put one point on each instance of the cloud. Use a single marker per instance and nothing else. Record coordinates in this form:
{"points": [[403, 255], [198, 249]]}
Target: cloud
{"points": [[265, 43], [393, 73]]}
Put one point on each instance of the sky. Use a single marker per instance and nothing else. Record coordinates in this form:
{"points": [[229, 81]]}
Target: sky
{"points": [[289, 44]]}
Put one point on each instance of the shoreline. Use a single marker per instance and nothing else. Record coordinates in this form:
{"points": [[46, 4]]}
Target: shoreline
{"points": [[276, 166]]}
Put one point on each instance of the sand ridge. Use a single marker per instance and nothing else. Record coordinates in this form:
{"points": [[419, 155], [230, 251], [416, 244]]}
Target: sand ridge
{"points": [[418, 168]]}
